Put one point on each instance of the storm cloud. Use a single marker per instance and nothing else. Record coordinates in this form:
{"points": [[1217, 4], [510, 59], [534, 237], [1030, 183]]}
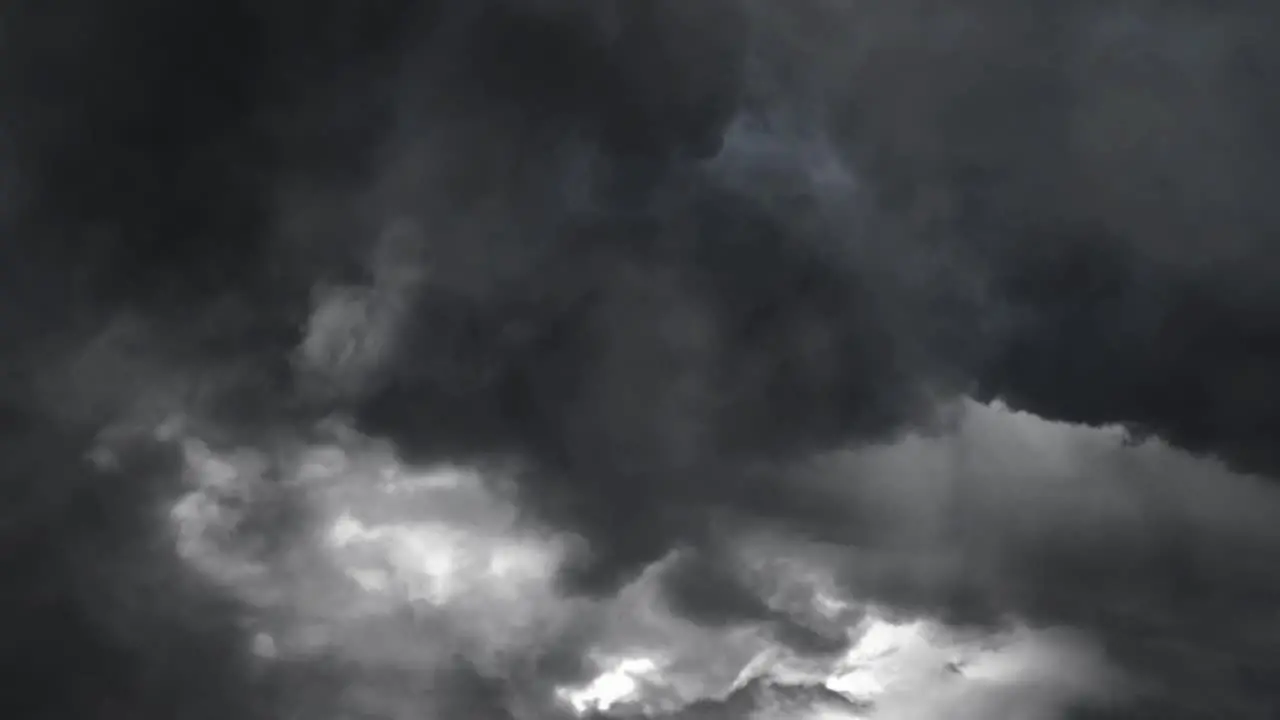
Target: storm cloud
{"points": [[690, 269]]}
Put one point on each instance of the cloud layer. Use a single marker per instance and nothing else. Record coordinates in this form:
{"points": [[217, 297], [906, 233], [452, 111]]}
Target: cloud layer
{"points": [[694, 278], [1009, 567]]}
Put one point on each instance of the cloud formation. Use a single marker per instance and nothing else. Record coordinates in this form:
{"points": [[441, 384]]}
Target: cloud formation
{"points": [[694, 272], [1012, 565]]}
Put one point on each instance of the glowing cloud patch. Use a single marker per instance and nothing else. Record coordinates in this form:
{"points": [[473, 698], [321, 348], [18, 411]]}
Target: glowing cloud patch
{"points": [[412, 568], [435, 563], [622, 683], [391, 553], [892, 670]]}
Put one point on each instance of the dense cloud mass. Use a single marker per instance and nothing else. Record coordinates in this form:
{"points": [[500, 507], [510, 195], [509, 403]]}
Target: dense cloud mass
{"points": [[689, 289]]}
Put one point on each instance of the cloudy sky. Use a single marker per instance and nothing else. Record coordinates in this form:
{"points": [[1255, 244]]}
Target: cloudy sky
{"points": [[552, 359]]}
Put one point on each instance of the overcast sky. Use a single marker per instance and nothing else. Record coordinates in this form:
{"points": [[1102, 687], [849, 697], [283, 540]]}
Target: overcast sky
{"points": [[430, 359]]}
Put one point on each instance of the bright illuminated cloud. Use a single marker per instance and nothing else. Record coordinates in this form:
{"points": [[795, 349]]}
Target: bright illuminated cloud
{"points": [[416, 568], [893, 671], [393, 563], [893, 668], [622, 683], [411, 567]]}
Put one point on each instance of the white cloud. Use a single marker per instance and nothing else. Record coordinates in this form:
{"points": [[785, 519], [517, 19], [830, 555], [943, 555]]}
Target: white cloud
{"points": [[414, 568]]}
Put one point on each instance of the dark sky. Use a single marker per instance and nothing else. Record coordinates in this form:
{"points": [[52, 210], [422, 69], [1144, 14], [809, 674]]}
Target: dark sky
{"points": [[662, 253]]}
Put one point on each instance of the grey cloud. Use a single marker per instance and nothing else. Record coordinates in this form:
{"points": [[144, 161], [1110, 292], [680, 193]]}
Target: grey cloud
{"points": [[1155, 552], [802, 223]]}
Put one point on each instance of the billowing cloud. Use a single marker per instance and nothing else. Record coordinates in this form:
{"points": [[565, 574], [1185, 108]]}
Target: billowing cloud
{"points": [[657, 283], [409, 571], [1009, 567]]}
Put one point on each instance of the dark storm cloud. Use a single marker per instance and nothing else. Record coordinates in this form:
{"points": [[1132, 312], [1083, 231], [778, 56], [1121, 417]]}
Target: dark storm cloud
{"points": [[185, 177], [1067, 207], [1111, 169]]}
